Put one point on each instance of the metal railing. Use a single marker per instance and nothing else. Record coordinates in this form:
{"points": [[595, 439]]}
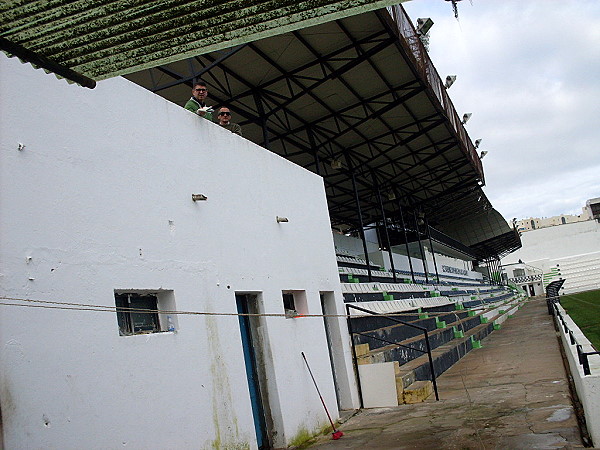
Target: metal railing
{"points": [[582, 356], [427, 70], [422, 329]]}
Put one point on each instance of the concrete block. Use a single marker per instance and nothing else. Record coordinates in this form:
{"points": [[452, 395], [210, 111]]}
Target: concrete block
{"points": [[378, 382], [363, 355], [399, 383], [417, 392], [361, 349]]}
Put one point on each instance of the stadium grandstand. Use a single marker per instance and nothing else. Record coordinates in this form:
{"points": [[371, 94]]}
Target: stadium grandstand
{"points": [[349, 223], [366, 110]]}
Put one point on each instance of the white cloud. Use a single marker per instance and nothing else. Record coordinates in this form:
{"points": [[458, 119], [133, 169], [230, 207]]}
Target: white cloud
{"points": [[530, 74]]}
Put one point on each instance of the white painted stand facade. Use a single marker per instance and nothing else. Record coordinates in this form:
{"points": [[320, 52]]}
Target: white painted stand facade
{"points": [[100, 199], [570, 251]]}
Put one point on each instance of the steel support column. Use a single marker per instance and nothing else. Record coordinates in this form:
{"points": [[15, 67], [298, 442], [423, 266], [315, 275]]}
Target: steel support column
{"points": [[437, 275], [360, 219], [263, 119], [385, 228], [313, 146], [412, 272], [421, 246]]}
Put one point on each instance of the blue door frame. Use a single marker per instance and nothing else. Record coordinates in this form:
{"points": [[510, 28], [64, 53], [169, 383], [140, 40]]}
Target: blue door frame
{"points": [[251, 373]]}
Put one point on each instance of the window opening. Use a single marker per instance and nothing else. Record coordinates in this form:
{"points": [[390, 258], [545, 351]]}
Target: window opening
{"points": [[294, 303], [140, 312], [519, 273], [288, 304]]}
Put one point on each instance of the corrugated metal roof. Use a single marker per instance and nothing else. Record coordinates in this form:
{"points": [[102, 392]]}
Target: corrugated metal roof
{"points": [[104, 38]]}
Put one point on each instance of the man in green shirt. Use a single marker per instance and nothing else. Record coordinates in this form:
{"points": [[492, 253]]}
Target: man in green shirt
{"points": [[196, 103]]}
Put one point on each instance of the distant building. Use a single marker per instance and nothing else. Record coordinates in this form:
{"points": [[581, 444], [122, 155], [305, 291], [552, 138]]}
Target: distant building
{"points": [[590, 211], [593, 208]]}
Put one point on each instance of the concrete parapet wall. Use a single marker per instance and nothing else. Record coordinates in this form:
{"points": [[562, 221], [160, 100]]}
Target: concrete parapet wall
{"points": [[587, 386]]}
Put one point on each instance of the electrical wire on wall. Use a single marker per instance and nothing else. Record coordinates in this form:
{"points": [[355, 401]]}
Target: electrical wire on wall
{"points": [[70, 306]]}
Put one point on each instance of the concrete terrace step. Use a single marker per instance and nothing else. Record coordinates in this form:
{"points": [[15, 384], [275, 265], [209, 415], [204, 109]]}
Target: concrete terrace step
{"points": [[447, 354], [417, 392], [448, 344], [440, 330], [366, 322], [400, 306]]}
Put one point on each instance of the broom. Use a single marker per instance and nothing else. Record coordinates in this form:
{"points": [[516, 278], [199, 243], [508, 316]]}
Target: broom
{"points": [[336, 433]]}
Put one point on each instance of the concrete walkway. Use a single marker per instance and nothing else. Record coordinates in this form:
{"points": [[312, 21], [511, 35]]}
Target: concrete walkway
{"points": [[510, 394]]}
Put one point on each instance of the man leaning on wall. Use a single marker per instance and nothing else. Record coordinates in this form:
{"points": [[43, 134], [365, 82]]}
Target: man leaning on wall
{"points": [[224, 117], [196, 103]]}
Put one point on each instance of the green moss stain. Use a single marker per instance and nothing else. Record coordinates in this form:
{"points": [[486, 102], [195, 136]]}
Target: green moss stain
{"points": [[301, 437], [223, 411], [229, 446], [305, 438]]}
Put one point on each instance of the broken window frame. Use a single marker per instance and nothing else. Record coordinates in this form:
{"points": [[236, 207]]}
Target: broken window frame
{"points": [[131, 305]]}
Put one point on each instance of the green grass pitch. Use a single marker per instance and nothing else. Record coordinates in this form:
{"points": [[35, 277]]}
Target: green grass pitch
{"points": [[584, 309]]}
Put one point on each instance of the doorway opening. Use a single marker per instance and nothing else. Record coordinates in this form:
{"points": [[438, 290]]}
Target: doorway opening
{"points": [[255, 369]]}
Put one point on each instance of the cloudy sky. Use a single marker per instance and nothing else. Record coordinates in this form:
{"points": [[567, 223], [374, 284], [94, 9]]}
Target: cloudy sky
{"points": [[529, 71]]}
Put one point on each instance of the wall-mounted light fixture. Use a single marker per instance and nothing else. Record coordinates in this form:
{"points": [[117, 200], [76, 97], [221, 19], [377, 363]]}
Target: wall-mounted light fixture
{"points": [[199, 197], [466, 117], [424, 24], [21, 147], [483, 153], [282, 219], [477, 142], [450, 79]]}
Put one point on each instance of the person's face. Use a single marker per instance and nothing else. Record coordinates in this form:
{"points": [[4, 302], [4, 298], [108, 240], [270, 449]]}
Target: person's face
{"points": [[199, 92], [224, 115]]}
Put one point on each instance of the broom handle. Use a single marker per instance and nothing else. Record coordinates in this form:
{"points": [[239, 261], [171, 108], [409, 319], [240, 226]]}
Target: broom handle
{"points": [[318, 392]]}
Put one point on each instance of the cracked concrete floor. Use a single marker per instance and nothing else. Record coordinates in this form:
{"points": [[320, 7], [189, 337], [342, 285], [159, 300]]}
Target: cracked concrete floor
{"points": [[510, 394]]}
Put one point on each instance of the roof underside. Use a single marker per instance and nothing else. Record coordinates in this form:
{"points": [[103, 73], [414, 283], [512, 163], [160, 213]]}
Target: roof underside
{"points": [[356, 100]]}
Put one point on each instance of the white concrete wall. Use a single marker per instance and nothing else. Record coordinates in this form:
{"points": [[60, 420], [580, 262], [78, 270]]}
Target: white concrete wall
{"points": [[557, 242], [587, 386], [574, 249], [100, 199]]}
